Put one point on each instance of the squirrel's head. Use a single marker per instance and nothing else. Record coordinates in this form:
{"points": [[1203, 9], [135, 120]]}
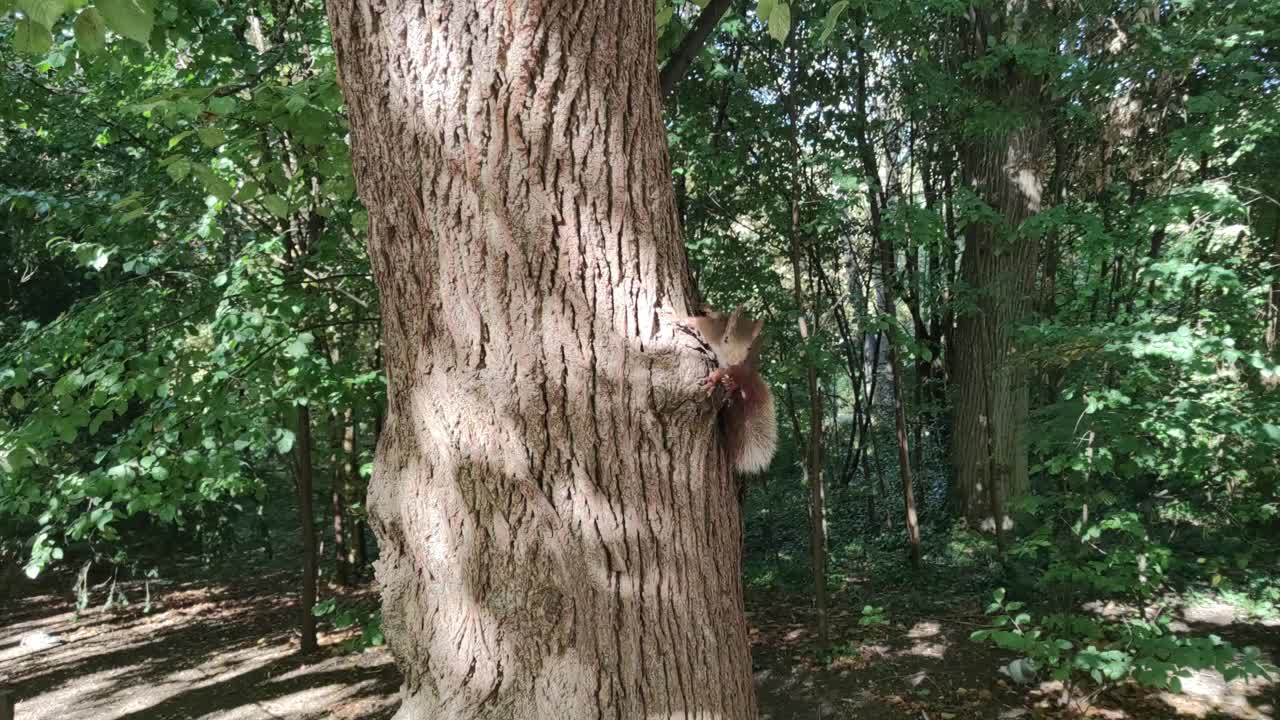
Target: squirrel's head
{"points": [[731, 337]]}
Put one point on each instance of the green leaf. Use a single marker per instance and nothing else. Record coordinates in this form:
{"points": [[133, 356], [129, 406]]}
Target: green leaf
{"points": [[18, 401], [764, 8], [833, 16], [780, 22], [298, 348], [212, 137], [219, 188], [100, 260], [31, 38], [222, 105], [663, 18], [130, 18], [179, 169], [43, 12], [91, 32], [5, 7], [277, 205], [215, 185], [247, 191], [284, 441]]}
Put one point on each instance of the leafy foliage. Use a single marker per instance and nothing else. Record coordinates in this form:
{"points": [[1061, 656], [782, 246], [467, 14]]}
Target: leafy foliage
{"points": [[176, 189], [204, 271], [1146, 651]]}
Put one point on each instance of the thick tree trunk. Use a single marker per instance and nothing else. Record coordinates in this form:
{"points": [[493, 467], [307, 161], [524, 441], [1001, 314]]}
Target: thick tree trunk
{"points": [[997, 270], [304, 484], [558, 524]]}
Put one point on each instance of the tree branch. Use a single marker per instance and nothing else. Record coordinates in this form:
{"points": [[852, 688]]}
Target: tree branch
{"points": [[678, 64]]}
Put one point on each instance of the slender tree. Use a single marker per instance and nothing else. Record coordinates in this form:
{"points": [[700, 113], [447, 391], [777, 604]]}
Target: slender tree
{"points": [[1273, 294], [882, 245], [813, 442], [340, 441], [304, 484]]}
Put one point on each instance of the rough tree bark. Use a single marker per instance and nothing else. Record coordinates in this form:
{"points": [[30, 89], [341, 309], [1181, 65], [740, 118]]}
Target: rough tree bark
{"points": [[557, 520], [1005, 167]]}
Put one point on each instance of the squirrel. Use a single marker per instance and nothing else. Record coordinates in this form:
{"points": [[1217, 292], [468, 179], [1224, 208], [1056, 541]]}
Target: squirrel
{"points": [[751, 427]]}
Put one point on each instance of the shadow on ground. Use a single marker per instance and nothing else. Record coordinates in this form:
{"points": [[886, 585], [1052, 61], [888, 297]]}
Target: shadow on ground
{"points": [[228, 652], [923, 666]]}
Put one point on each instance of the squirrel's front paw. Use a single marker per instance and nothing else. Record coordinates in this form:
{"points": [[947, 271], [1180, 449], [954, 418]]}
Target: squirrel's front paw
{"points": [[720, 377]]}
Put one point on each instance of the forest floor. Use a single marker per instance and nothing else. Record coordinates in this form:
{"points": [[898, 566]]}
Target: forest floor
{"points": [[227, 652]]}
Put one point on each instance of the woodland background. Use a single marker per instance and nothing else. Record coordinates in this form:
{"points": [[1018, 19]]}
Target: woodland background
{"points": [[190, 384]]}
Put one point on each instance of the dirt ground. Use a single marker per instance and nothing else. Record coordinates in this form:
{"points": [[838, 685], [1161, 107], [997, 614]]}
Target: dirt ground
{"points": [[226, 652]]}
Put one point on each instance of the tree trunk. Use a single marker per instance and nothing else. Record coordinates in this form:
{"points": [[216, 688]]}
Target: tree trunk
{"points": [[998, 268], [557, 520], [817, 506], [264, 532], [813, 459], [304, 485], [8, 704], [692, 43], [352, 559], [1273, 297], [1051, 253], [362, 545], [888, 293], [899, 408], [338, 495]]}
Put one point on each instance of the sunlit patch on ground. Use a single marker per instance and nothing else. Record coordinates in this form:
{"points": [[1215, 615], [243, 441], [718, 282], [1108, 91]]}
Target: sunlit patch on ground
{"points": [[1210, 613], [1207, 694], [922, 646], [217, 653]]}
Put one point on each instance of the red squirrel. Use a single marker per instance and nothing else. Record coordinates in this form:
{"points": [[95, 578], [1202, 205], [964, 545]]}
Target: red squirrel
{"points": [[751, 428]]}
